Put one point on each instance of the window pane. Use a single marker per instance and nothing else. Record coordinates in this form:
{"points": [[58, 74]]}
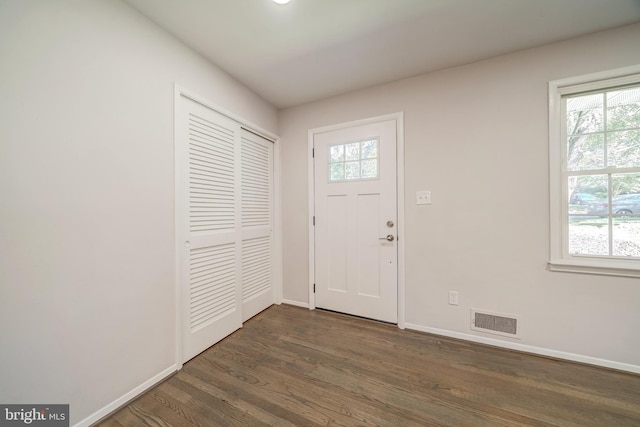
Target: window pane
{"points": [[588, 194], [589, 236], [585, 152], [623, 109], [336, 153], [370, 168], [336, 171], [625, 188], [369, 149], [352, 170], [585, 114], [623, 149], [352, 151], [626, 236]]}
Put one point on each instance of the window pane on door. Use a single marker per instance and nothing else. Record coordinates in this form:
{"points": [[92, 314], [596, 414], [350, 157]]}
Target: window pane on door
{"points": [[369, 168], [352, 170], [370, 149], [336, 171], [353, 161], [352, 151], [336, 153]]}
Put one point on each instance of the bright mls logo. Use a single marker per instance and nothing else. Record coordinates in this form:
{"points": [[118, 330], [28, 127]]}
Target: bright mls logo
{"points": [[35, 415]]}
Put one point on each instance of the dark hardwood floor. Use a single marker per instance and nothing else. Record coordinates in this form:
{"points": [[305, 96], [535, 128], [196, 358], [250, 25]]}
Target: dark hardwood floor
{"points": [[290, 366]]}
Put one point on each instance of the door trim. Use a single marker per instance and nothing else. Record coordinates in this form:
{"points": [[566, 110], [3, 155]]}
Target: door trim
{"points": [[276, 278], [399, 118]]}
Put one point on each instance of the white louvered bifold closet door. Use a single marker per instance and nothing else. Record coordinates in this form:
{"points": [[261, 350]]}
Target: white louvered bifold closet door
{"points": [[223, 224], [257, 223]]}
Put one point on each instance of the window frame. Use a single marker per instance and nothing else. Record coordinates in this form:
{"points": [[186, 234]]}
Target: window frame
{"points": [[560, 259]]}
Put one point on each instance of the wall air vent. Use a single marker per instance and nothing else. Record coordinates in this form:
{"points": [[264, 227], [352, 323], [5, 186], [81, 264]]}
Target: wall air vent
{"points": [[494, 323]]}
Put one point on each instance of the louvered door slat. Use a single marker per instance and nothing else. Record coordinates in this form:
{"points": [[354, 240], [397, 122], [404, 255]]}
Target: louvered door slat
{"points": [[212, 277], [256, 182], [211, 173], [256, 266]]}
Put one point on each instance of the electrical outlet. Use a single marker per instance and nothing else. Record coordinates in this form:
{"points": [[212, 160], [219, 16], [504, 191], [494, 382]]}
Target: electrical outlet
{"points": [[453, 297]]}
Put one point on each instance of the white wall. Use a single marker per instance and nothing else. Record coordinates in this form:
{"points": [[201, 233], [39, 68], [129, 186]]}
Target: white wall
{"points": [[476, 136], [87, 197]]}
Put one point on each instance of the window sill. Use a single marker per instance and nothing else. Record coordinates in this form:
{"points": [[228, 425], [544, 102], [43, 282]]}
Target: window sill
{"points": [[621, 268]]}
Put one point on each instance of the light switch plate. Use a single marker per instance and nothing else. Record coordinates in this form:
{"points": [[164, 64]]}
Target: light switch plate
{"points": [[423, 197]]}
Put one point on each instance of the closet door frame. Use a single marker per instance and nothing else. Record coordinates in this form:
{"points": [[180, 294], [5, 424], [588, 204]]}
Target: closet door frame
{"points": [[179, 92]]}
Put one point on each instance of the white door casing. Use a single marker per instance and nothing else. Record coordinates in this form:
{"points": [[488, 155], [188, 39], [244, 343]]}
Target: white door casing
{"points": [[356, 267]]}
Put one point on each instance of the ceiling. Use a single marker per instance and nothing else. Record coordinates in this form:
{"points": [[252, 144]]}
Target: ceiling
{"points": [[312, 49]]}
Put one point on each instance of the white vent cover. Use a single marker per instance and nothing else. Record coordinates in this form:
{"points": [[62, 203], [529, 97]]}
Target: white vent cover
{"points": [[495, 323]]}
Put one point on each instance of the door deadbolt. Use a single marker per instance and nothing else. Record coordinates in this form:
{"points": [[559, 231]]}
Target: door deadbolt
{"points": [[389, 224]]}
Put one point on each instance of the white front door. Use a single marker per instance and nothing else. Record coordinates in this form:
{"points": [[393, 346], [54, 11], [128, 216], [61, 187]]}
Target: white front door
{"points": [[356, 252]]}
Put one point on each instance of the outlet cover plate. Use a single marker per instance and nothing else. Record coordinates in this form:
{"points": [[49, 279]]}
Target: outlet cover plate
{"points": [[453, 298]]}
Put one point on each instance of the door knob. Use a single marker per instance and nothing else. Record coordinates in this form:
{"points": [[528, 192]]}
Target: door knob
{"points": [[389, 237]]}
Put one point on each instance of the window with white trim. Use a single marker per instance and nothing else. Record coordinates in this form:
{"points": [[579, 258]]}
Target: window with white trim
{"points": [[595, 173]]}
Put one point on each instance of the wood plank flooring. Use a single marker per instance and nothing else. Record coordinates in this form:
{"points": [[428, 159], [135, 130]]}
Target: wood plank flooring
{"points": [[290, 366]]}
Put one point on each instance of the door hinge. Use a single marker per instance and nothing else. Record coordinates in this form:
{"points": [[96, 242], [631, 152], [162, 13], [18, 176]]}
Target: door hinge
{"points": [[314, 288], [313, 152], [314, 220]]}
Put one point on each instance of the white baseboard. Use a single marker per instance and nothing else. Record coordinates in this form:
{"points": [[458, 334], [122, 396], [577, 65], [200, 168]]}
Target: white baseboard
{"points": [[296, 303], [123, 400], [528, 349]]}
